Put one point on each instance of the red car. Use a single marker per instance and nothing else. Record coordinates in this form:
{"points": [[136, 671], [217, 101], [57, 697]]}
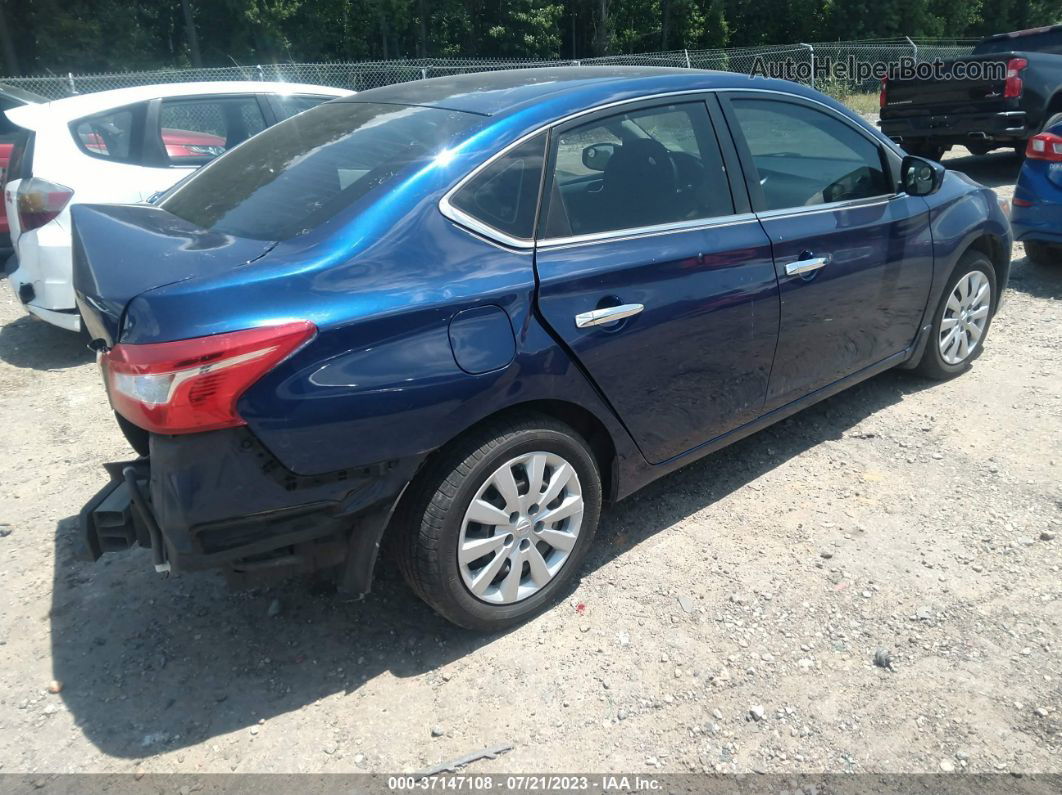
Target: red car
{"points": [[179, 143]]}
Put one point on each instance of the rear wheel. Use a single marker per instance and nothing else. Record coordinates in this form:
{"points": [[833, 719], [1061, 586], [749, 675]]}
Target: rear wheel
{"points": [[496, 528], [962, 318], [1043, 254]]}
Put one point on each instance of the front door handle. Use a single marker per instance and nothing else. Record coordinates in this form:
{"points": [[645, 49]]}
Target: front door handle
{"points": [[611, 314], [805, 265]]}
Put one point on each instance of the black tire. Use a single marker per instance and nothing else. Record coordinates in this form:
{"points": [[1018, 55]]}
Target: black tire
{"points": [[932, 364], [430, 519], [1043, 254]]}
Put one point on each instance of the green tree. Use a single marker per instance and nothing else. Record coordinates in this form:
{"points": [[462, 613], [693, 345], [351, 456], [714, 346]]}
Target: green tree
{"points": [[525, 28], [1000, 16]]}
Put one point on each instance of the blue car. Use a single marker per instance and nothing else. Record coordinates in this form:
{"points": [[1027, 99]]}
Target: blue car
{"points": [[1036, 214], [455, 317]]}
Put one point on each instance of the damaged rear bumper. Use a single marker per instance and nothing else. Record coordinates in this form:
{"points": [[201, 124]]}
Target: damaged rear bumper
{"points": [[219, 500]]}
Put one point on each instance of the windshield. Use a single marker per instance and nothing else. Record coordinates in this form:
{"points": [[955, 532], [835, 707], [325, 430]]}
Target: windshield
{"points": [[298, 174]]}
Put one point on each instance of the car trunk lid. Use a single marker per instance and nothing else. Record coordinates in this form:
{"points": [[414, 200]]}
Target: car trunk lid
{"points": [[122, 251]]}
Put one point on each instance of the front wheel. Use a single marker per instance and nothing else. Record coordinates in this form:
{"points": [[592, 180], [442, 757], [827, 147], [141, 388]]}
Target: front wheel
{"points": [[962, 318], [497, 526]]}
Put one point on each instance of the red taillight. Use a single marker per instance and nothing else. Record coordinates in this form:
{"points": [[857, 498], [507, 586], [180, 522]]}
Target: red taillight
{"points": [[1045, 146], [39, 202], [1021, 202], [192, 385], [1012, 86], [883, 95]]}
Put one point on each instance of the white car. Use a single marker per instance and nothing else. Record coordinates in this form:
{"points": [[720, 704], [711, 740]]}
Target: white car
{"points": [[120, 147]]}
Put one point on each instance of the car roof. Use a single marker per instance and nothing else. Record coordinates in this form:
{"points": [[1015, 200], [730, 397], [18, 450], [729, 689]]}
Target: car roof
{"points": [[506, 91], [69, 108]]}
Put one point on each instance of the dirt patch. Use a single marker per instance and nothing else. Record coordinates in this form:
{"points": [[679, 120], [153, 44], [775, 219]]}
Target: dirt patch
{"points": [[727, 619]]}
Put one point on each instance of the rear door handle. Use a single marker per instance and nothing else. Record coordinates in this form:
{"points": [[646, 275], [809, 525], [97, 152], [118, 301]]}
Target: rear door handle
{"points": [[806, 265], [601, 317]]}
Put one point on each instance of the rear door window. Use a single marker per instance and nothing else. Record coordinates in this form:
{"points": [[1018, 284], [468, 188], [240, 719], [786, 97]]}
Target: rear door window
{"points": [[303, 171], [111, 135], [637, 169], [195, 130], [504, 195]]}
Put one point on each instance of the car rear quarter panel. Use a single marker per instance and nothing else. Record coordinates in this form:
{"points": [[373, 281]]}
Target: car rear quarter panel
{"points": [[381, 381], [390, 386]]}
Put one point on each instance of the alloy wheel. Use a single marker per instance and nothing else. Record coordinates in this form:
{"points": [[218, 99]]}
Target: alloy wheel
{"points": [[520, 528], [965, 317]]}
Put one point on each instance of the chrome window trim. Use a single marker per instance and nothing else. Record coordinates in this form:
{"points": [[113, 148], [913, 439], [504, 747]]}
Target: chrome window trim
{"points": [[646, 231], [845, 204], [486, 230], [473, 224]]}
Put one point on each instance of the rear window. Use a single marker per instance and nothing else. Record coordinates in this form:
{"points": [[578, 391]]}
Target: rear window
{"points": [[303, 171], [1049, 40]]}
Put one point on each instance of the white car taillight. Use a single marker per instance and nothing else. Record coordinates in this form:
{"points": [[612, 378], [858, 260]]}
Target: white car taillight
{"points": [[39, 201]]}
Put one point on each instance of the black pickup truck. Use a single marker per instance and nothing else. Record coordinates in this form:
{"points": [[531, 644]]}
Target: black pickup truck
{"points": [[1018, 90]]}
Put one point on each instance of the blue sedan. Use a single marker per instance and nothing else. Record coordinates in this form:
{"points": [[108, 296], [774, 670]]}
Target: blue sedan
{"points": [[1036, 216], [457, 316]]}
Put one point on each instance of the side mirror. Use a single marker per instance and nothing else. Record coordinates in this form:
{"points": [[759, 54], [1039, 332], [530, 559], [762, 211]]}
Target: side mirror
{"points": [[596, 156], [921, 177]]}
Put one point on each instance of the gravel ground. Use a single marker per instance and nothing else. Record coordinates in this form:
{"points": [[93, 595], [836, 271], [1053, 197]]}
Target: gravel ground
{"points": [[728, 618]]}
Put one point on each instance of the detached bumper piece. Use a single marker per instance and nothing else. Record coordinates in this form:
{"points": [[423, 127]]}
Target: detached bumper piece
{"points": [[119, 516]]}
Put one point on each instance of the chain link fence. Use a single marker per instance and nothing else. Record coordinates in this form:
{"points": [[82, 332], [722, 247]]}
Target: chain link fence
{"points": [[358, 76]]}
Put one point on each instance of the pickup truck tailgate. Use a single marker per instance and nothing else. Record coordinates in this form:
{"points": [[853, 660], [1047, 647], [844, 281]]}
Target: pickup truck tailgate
{"points": [[949, 94]]}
